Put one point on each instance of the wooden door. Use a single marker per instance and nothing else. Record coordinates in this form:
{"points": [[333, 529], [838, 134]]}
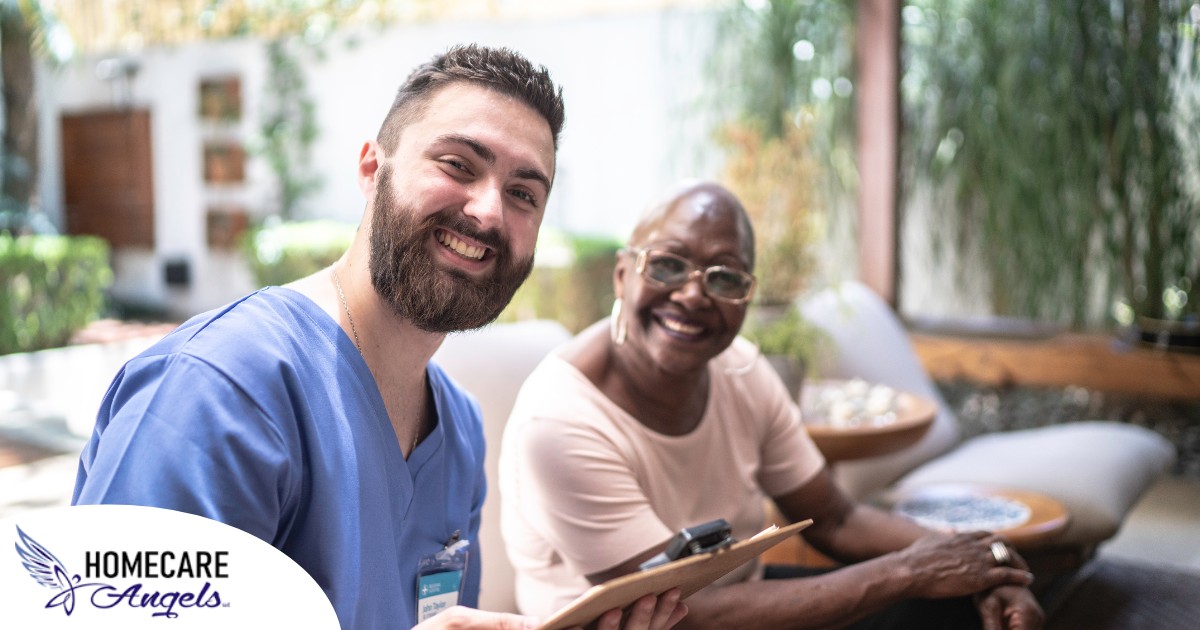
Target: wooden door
{"points": [[108, 176]]}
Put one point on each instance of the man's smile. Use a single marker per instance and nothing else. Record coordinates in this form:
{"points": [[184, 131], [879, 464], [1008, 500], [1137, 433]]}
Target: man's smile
{"points": [[460, 246]]}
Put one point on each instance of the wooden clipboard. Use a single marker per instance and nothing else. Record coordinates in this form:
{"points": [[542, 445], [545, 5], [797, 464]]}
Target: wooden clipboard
{"points": [[689, 574]]}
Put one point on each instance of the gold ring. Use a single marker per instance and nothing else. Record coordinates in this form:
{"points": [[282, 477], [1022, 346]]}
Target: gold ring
{"points": [[1000, 553]]}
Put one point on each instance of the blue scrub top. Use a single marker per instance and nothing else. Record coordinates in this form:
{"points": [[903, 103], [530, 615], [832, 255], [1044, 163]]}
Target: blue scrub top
{"points": [[263, 415]]}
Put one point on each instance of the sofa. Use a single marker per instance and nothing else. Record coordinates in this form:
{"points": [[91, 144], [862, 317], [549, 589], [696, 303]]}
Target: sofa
{"points": [[492, 363], [1097, 469]]}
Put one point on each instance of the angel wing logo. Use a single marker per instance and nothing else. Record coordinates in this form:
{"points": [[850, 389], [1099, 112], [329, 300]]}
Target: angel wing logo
{"points": [[48, 570]]}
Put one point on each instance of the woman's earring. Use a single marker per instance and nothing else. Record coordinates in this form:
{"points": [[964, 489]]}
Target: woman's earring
{"points": [[616, 324]]}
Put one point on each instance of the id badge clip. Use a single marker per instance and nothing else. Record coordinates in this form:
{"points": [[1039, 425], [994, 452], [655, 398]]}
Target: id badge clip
{"points": [[440, 577]]}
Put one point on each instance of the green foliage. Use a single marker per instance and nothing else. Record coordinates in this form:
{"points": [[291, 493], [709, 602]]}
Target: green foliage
{"points": [[782, 101], [776, 57], [1062, 140], [281, 252], [775, 179], [52, 287], [572, 283], [289, 126], [787, 65], [785, 333]]}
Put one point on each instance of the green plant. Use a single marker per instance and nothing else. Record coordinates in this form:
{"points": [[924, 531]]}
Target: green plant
{"points": [[1059, 139], [774, 177], [783, 113], [280, 252], [289, 126], [52, 287], [571, 283], [787, 334]]}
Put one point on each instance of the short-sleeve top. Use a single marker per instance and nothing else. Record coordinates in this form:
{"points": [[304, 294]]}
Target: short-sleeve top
{"points": [[585, 486]]}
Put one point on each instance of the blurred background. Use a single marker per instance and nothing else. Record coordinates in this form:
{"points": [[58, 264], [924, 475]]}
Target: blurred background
{"points": [[1018, 179], [966, 157]]}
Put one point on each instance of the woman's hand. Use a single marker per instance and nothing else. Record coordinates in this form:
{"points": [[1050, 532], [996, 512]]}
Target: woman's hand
{"points": [[647, 613], [960, 565], [1010, 608]]}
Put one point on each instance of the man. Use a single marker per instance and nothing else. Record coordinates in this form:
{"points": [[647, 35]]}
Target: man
{"points": [[310, 415]]}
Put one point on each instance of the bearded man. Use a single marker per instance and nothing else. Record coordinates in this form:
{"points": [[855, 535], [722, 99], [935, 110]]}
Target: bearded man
{"points": [[310, 415]]}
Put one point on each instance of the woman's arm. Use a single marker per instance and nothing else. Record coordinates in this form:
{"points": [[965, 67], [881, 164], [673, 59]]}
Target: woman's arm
{"points": [[898, 560]]}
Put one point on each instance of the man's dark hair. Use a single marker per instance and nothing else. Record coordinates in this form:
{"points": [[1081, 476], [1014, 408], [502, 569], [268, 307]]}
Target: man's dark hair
{"points": [[499, 69]]}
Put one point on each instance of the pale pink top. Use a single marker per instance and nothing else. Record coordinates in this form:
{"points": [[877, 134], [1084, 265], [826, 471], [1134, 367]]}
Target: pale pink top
{"points": [[585, 486]]}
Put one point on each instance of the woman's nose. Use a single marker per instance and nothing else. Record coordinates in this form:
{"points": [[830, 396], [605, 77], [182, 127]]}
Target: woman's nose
{"points": [[692, 293]]}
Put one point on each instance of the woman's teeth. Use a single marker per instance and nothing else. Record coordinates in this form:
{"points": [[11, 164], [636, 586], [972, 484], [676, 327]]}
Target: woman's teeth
{"points": [[681, 327]]}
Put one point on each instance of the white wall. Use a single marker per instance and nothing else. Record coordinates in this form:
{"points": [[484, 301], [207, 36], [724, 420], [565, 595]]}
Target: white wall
{"points": [[630, 83]]}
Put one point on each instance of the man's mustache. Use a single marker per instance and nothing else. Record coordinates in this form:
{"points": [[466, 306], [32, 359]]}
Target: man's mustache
{"points": [[458, 223]]}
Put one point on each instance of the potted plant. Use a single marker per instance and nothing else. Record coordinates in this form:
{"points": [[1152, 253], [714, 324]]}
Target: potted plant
{"points": [[789, 342], [773, 123]]}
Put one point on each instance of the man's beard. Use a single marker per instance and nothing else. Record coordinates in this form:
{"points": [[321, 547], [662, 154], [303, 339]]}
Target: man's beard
{"points": [[405, 276]]}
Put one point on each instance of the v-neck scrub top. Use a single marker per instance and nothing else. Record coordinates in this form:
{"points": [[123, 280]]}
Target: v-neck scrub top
{"points": [[263, 415]]}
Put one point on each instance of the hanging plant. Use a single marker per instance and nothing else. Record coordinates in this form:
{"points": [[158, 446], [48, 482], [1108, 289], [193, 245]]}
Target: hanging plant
{"points": [[288, 126], [1063, 139]]}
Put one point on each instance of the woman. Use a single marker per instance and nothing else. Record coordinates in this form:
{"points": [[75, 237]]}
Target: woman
{"points": [[662, 418]]}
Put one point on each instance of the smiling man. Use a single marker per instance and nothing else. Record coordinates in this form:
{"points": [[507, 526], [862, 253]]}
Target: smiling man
{"points": [[310, 415]]}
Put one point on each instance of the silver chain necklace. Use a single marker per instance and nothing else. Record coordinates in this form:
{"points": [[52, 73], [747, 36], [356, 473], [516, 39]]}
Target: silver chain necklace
{"points": [[354, 329], [337, 283]]}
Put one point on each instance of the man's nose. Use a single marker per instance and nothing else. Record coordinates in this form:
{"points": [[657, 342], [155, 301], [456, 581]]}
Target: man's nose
{"points": [[486, 205]]}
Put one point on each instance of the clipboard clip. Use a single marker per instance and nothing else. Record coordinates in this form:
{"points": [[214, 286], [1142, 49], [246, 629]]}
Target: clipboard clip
{"points": [[690, 541]]}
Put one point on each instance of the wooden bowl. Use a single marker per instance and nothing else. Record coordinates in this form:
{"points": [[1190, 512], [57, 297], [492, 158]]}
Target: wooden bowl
{"points": [[914, 416]]}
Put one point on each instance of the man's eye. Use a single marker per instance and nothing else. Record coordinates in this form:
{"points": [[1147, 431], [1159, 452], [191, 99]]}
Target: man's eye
{"points": [[524, 196], [456, 165]]}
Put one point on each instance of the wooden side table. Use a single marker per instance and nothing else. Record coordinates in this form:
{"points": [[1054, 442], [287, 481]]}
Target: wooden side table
{"points": [[1046, 518]]}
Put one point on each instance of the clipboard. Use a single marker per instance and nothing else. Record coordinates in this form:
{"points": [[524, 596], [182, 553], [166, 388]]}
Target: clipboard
{"points": [[690, 574]]}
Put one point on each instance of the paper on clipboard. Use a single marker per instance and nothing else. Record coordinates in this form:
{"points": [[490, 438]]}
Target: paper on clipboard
{"points": [[689, 574]]}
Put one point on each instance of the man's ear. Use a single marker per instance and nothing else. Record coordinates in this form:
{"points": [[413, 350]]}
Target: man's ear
{"points": [[368, 166]]}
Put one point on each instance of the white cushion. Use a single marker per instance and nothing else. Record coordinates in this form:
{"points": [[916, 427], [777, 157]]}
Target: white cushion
{"points": [[492, 363], [868, 342], [1097, 470]]}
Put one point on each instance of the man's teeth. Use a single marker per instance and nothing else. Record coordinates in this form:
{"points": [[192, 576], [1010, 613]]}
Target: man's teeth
{"points": [[681, 327], [470, 251]]}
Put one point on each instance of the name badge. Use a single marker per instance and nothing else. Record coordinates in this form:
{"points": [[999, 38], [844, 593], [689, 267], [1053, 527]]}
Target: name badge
{"points": [[440, 578]]}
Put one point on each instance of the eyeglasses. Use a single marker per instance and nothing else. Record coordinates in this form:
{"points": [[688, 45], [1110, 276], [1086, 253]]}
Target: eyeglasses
{"points": [[720, 282]]}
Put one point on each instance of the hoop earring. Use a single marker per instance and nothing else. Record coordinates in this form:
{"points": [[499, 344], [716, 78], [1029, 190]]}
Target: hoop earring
{"points": [[616, 324]]}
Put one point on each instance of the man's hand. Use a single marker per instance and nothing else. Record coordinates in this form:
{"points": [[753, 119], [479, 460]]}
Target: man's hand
{"points": [[463, 618], [647, 613]]}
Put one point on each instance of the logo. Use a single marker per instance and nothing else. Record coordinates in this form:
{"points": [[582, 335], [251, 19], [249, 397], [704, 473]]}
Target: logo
{"points": [[50, 572], [145, 568]]}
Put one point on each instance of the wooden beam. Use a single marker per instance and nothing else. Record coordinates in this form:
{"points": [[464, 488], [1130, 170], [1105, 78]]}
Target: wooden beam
{"points": [[1098, 362], [878, 117]]}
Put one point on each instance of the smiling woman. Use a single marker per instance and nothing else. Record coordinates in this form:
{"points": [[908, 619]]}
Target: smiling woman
{"points": [[661, 418]]}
